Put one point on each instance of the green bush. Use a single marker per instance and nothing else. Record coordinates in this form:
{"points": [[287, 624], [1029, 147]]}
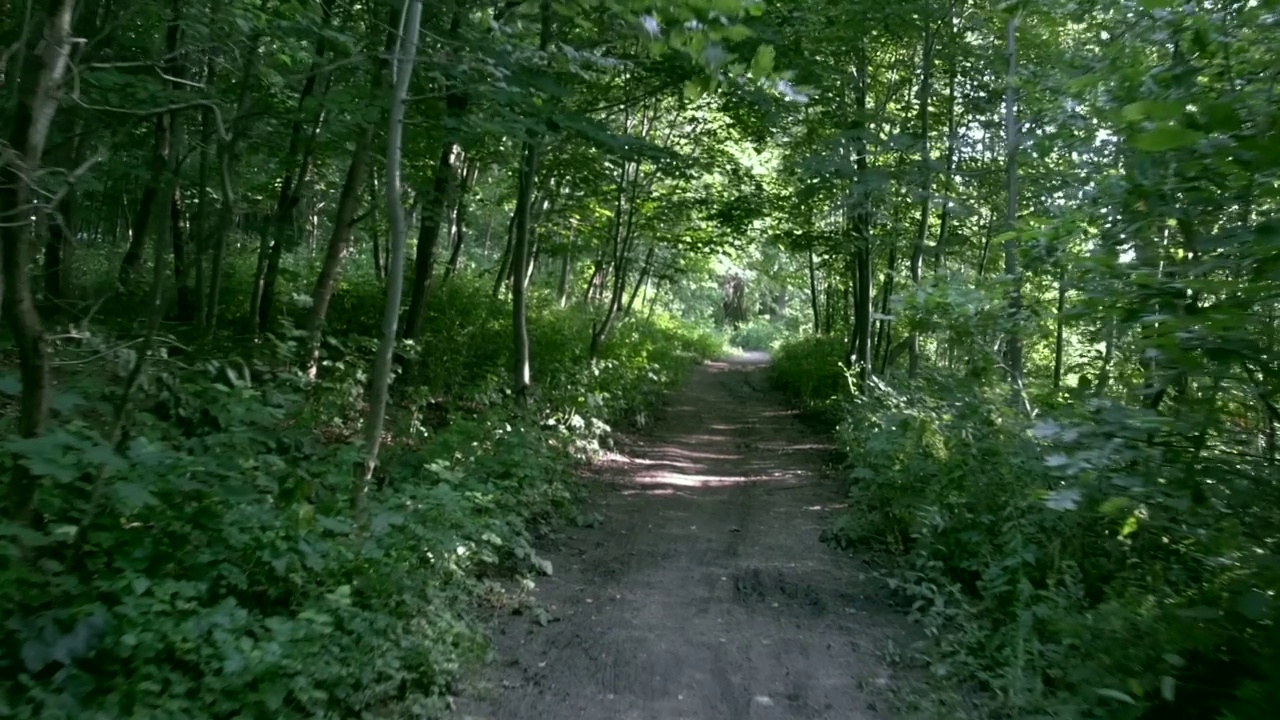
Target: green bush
{"points": [[809, 369], [759, 334], [1065, 564], [211, 564]]}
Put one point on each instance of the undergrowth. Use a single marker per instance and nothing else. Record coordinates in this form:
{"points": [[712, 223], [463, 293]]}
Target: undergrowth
{"points": [[208, 563], [1070, 566]]}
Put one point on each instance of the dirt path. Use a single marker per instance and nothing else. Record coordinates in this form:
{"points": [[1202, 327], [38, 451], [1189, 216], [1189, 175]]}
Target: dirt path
{"points": [[706, 593]]}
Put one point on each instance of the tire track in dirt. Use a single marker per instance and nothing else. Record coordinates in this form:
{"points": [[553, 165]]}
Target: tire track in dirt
{"points": [[706, 594]]}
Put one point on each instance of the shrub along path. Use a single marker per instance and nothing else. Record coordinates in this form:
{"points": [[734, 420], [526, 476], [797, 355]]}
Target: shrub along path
{"points": [[706, 593]]}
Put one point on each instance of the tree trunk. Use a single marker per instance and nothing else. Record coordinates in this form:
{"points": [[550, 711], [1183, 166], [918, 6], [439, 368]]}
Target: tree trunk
{"points": [[884, 326], [861, 356], [200, 225], [339, 240], [522, 378], [562, 289], [181, 266], [297, 162], [520, 251], [424, 261], [38, 91], [460, 218], [623, 240], [60, 241], [641, 279], [1108, 354], [379, 267], [437, 198], [1059, 329], [944, 223], [228, 146], [922, 232], [1013, 347], [282, 227], [813, 295], [132, 259], [177, 226], [380, 378], [504, 263]]}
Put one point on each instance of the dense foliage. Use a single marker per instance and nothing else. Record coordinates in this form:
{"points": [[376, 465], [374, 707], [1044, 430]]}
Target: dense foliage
{"points": [[1021, 254], [210, 564], [1056, 398], [230, 491]]}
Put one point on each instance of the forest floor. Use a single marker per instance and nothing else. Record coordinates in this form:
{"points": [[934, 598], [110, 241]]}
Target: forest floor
{"points": [[705, 593]]}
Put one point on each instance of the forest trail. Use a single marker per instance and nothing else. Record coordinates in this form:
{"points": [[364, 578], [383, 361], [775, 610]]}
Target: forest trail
{"points": [[706, 593]]}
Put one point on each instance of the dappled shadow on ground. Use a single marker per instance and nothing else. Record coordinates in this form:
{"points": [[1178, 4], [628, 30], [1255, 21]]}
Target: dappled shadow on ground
{"points": [[706, 594], [724, 430]]}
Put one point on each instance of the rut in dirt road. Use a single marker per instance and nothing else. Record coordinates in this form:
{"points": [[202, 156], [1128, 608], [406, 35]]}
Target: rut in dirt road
{"points": [[706, 594]]}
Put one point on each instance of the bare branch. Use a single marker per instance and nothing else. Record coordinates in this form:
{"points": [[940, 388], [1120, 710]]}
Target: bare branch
{"points": [[213, 108]]}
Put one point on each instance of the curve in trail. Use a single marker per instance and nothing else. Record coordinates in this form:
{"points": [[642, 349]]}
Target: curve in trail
{"points": [[706, 594]]}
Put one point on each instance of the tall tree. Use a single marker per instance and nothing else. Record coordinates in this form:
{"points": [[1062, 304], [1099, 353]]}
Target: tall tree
{"points": [[406, 51], [522, 374]]}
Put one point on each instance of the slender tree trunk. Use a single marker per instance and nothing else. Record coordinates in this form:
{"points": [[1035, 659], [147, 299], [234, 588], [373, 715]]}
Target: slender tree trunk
{"points": [[460, 218], [178, 235], [641, 279], [424, 261], [948, 182], [535, 252], [339, 241], [813, 295], [1013, 348], [884, 326], [62, 229], [380, 379], [1059, 329], [520, 250], [38, 91], [379, 267], [132, 259], [228, 151], [1108, 355], [519, 261], [436, 199], [283, 227], [860, 357], [566, 264], [488, 234], [177, 217], [181, 261], [297, 166], [200, 225], [922, 232], [623, 241], [504, 263]]}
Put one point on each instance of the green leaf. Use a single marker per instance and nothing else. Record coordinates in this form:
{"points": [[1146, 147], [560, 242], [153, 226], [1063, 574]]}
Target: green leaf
{"points": [[1168, 137], [1063, 499], [1253, 604], [1158, 110], [1115, 695], [64, 532], [1114, 505], [762, 63], [1167, 685], [133, 496], [693, 90]]}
